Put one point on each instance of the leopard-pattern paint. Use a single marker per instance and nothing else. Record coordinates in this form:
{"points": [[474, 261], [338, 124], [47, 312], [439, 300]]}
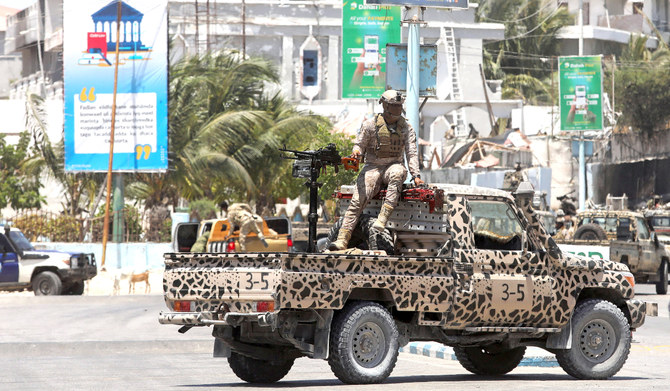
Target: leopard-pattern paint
{"points": [[459, 285]]}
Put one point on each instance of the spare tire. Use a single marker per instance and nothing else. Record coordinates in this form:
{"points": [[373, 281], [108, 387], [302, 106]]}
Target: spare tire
{"points": [[363, 236], [590, 232]]}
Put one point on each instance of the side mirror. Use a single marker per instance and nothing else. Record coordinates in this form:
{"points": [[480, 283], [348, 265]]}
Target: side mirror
{"points": [[7, 229], [654, 239]]}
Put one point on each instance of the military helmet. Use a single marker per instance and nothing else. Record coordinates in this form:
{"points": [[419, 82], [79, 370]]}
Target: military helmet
{"points": [[392, 97]]}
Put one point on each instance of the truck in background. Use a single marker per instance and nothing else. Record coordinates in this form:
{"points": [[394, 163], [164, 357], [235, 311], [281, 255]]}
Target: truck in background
{"points": [[45, 272]]}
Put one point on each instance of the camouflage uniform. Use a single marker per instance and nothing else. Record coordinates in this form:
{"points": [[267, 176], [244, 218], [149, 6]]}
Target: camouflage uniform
{"points": [[200, 245], [242, 216], [382, 165]]}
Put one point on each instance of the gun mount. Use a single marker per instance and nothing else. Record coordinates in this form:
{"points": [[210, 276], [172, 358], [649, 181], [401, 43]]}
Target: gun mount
{"points": [[310, 164]]}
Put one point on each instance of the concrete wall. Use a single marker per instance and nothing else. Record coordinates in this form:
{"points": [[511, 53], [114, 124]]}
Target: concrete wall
{"points": [[135, 256]]}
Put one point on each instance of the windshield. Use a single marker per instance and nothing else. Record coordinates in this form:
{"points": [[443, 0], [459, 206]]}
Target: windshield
{"points": [[20, 241]]}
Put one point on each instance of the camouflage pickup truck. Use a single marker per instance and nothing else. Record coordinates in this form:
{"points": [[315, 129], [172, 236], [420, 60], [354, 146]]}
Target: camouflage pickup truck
{"points": [[472, 268], [630, 239]]}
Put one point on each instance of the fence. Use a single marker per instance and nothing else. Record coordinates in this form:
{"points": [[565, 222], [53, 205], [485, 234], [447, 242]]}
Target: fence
{"points": [[40, 226]]}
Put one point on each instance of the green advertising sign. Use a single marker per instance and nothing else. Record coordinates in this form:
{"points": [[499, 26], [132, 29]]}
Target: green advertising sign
{"points": [[366, 29], [580, 88]]}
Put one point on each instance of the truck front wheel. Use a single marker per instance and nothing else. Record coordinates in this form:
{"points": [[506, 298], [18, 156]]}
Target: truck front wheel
{"points": [[76, 288], [482, 360], [662, 284], [47, 284], [363, 343], [252, 370], [600, 341]]}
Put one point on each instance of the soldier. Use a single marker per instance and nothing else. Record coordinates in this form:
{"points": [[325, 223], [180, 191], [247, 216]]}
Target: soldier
{"points": [[383, 141], [200, 245], [242, 216]]}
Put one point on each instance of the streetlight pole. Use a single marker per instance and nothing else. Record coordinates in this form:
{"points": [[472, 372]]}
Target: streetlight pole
{"points": [[413, 69], [582, 159]]}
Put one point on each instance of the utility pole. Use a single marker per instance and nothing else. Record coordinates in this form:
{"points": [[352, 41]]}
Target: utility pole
{"points": [[413, 68], [582, 159]]}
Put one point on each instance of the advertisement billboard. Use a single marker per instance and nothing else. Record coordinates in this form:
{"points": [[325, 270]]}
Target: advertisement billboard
{"points": [[580, 93], [366, 29], [89, 59]]}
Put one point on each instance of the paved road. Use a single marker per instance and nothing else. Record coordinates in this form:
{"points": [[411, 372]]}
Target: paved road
{"points": [[116, 343]]}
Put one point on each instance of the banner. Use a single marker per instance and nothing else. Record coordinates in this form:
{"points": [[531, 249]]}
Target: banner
{"points": [[580, 93], [89, 45], [366, 29]]}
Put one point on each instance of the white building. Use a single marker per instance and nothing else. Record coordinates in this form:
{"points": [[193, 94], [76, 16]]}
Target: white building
{"points": [[608, 24]]}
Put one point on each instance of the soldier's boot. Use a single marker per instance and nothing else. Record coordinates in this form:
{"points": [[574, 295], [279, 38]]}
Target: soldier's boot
{"points": [[342, 240], [262, 239], [383, 218]]}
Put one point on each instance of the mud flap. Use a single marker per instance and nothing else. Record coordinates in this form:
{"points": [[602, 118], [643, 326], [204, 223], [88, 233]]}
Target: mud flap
{"points": [[221, 349], [562, 339]]}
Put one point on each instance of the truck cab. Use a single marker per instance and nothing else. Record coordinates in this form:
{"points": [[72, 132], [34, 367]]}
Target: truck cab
{"points": [[44, 272]]}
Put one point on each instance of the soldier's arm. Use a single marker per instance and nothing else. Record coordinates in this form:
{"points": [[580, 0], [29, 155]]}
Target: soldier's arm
{"points": [[411, 152], [363, 138]]}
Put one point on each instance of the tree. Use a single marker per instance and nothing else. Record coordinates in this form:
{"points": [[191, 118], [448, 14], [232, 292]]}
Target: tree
{"points": [[79, 188], [18, 188], [523, 60]]}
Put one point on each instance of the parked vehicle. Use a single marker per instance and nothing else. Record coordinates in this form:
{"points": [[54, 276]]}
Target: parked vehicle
{"points": [[224, 237], [630, 239], [470, 267], [42, 271]]}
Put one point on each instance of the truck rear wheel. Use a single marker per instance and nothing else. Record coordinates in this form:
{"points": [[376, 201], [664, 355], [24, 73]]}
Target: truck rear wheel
{"points": [[252, 370], [600, 341], [662, 284], [590, 232], [363, 236], [482, 360], [47, 284], [363, 343]]}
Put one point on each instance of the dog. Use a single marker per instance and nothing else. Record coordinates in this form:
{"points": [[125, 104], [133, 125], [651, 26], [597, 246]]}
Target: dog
{"points": [[132, 278]]}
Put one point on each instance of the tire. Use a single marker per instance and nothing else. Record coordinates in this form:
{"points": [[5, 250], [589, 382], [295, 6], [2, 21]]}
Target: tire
{"points": [[363, 343], [481, 361], [600, 341], [47, 284], [364, 237], [590, 232], [662, 284], [252, 370], [77, 288]]}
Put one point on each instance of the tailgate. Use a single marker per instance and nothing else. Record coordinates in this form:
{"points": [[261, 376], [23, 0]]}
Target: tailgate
{"points": [[207, 282]]}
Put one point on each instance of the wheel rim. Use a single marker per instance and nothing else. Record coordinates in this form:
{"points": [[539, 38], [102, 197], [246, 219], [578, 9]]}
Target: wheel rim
{"points": [[369, 345], [44, 287], [597, 341]]}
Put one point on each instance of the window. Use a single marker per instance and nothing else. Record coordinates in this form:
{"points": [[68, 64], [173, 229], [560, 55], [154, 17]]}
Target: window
{"points": [[310, 70], [495, 225], [642, 229]]}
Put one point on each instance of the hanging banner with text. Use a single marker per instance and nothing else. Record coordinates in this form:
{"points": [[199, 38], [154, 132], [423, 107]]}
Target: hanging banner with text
{"points": [[424, 3], [580, 93], [89, 46], [366, 29]]}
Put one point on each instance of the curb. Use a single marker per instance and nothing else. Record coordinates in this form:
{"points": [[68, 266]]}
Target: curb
{"points": [[534, 357]]}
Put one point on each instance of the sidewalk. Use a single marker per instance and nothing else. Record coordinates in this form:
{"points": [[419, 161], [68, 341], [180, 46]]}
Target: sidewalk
{"points": [[534, 357]]}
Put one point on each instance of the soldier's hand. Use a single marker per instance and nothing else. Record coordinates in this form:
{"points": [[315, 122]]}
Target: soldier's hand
{"points": [[418, 181], [356, 154]]}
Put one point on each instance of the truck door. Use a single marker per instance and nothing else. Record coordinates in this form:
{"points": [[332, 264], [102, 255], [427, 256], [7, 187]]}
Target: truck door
{"points": [[647, 248], [508, 280], [9, 262]]}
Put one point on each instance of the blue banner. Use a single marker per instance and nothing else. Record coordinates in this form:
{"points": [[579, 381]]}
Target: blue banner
{"points": [[89, 59]]}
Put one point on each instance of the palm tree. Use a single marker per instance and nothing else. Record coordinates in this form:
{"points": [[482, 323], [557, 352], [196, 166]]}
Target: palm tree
{"points": [[79, 189]]}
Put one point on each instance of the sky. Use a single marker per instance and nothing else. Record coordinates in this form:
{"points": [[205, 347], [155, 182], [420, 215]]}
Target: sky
{"points": [[18, 4]]}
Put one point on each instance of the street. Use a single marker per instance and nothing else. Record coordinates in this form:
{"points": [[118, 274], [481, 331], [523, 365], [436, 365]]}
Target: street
{"points": [[116, 343]]}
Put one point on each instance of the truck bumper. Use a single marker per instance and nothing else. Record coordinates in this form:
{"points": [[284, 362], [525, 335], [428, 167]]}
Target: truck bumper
{"points": [[638, 310], [208, 318]]}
